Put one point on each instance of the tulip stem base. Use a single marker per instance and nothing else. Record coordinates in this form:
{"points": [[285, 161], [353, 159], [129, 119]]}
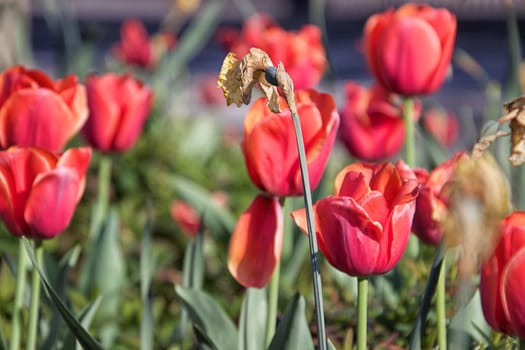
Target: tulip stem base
{"points": [[312, 237], [14, 343], [362, 303], [408, 118], [273, 298], [35, 298], [441, 307]]}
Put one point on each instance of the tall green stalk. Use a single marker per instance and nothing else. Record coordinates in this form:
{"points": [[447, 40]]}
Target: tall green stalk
{"points": [[104, 183], [312, 237], [35, 299], [362, 303], [273, 301], [440, 307], [410, 144], [14, 344]]}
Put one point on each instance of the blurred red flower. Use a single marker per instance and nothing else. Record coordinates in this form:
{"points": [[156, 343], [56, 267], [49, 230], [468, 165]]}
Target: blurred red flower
{"points": [[431, 205], [301, 52], [118, 108], [364, 228], [372, 127], [409, 50], [39, 190], [269, 145], [503, 279], [442, 125], [256, 242], [137, 48], [39, 112]]}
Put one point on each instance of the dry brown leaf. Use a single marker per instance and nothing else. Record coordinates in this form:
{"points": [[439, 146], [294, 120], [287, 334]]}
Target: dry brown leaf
{"points": [[515, 110]]}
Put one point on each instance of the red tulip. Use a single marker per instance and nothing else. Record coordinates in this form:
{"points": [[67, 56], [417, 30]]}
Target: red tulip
{"points": [[372, 127], [137, 48], [269, 145], [39, 190], [118, 108], [431, 205], [256, 242], [301, 52], [364, 228], [409, 50], [39, 112], [442, 125], [503, 279]]}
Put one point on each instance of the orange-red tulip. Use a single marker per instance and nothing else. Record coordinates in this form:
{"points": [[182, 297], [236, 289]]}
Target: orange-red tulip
{"points": [[256, 242], [372, 127], [137, 48], [409, 50], [301, 52], [431, 205], [269, 145], [39, 112], [364, 228], [503, 279], [39, 190], [118, 108]]}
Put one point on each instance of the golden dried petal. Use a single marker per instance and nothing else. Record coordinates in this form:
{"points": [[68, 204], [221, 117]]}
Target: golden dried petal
{"points": [[516, 115], [229, 81]]}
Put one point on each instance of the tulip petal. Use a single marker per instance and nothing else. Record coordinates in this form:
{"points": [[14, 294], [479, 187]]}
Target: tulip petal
{"points": [[512, 287], [54, 192], [36, 117], [348, 237], [256, 242], [411, 52], [77, 159]]}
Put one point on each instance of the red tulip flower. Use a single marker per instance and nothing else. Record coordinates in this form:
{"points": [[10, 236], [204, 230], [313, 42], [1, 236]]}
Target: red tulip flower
{"points": [[372, 127], [269, 145], [431, 205], [503, 279], [36, 111], [301, 52], [39, 190], [409, 50], [256, 242], [137, 48], [363, 229], [118, 108], [442, 125]]}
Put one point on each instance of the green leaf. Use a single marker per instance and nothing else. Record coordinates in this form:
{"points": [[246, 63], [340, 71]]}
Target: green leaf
{"points": [[219, 220], [292, 332], [331, 345], [470, 320], [252, 323], [88, 342], [193, 265], [210, 321], [2, 340], [201, 140], [146, 276], [85, 318]]}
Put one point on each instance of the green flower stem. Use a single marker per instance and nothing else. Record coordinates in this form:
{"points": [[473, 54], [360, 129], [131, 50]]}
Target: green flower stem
{"points": [[273, 298], [362, 303], [35, 299], [312, 239], [440, 307], [19, 296], [104, 181], [410, 147]]}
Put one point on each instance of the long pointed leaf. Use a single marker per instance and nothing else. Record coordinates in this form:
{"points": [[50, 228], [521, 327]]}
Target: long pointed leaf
{"points": [[85, 318], [146, 275], [87, 341], [209, 318], [253, 320], [293, 332]]}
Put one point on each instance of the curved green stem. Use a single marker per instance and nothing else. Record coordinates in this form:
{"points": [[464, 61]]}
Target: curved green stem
{"points": [[410, 147], [441, 307], [19, 296], [104, 183], [312, 237], [35, 299], [273, 298], [362, 301]]}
